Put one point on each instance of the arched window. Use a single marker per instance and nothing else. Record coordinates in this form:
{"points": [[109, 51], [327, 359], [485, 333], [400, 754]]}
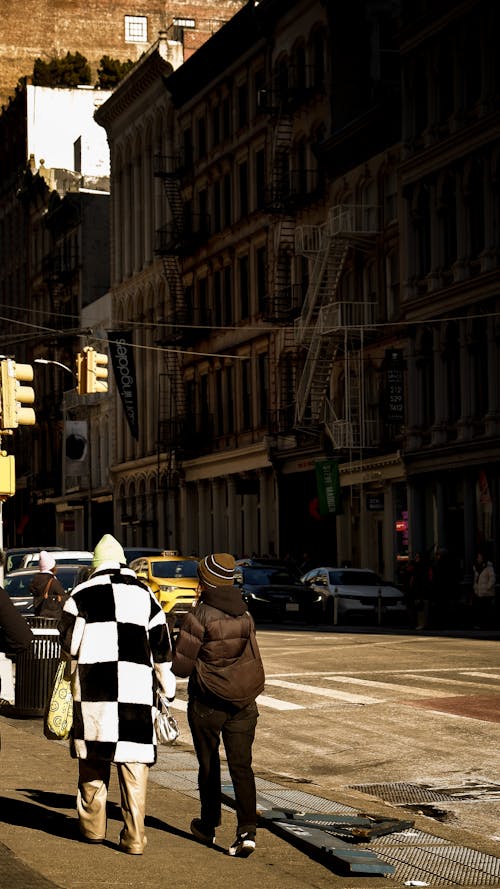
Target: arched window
{"points": [[452, 359], [425, 365]]}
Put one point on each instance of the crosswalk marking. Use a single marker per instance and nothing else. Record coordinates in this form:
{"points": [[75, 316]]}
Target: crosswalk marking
{"points": [[480, 675], [324, 692], [384, 686], [276, 704]]}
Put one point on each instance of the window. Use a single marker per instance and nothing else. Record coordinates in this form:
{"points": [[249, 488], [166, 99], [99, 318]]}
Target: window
{"points": [[261, 263], [230, 399], [187, 145], [136, 29], [218, 298], [245, 395], [242, 105], [228, 295], [203, 300], [243, 188], [217, 206], [263, 400], [202, 137], [227, 198], [219, 409], [244, 287], [226, 118], [215, 125], [258, 85], [260, 179]]}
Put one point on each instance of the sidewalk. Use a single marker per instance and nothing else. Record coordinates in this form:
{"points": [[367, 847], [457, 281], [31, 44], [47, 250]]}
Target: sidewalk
{"points": [[40, 849]]}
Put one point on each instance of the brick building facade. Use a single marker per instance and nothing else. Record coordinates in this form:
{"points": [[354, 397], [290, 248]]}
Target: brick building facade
{"points": [[119, 29]]}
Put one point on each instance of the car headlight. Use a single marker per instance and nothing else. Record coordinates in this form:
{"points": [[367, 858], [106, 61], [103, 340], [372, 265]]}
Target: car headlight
{"points": [[168, 589]]}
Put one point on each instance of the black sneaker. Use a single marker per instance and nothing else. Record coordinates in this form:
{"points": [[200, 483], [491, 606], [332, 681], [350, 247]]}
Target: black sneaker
{"points": [[203, 834], [243, 845]]}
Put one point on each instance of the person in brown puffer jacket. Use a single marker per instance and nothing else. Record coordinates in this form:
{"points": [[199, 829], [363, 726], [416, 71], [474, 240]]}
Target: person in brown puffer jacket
{"points": [[48, 592], [217, 649]]}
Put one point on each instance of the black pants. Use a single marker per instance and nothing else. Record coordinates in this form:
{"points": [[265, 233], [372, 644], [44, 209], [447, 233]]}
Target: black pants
{"points": [[238, 731]]}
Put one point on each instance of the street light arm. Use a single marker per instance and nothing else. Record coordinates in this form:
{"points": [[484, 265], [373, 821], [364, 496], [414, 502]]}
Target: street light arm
{"points": [[56, 363]]}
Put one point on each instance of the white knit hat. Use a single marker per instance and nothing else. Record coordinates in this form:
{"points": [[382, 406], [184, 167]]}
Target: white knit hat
{"points": [[46, 561], [108, 550]]}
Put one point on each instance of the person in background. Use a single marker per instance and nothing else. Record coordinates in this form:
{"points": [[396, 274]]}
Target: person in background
{"points": [[48, 593], [484, 591], [15, 633], [210, 644], [114, 632]]}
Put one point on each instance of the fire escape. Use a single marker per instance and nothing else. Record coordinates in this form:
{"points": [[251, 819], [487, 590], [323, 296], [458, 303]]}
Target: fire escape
{"points": [[331, 328], [278, 103], [170, 245]]}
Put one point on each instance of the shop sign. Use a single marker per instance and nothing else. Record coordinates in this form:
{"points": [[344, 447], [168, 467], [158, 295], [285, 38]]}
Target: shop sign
{"points": [[395, 408], [328, 486], [374, 502]]}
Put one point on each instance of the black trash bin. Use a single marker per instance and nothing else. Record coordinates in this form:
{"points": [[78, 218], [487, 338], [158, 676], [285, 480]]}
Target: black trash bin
{"points": [[36, 667]]}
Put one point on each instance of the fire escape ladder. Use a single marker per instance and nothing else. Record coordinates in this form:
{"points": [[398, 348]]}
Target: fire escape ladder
{"points": [[171, 236], [280, 303], [315, 328], [171, 403]]}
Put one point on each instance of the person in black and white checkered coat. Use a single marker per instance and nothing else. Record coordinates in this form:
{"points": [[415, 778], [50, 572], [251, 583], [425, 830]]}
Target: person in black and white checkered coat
{"points": [[115, 633]]}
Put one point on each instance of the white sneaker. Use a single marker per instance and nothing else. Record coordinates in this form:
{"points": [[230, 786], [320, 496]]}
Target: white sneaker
{"points": [[243, 845]]}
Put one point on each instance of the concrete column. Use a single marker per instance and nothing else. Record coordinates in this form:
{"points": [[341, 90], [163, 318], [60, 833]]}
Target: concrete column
{"points": [[440, 514], [147, 191], [204, 517], [470, 519]]}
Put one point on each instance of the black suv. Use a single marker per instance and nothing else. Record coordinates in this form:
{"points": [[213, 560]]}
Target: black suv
{"points": [[272, 590]]}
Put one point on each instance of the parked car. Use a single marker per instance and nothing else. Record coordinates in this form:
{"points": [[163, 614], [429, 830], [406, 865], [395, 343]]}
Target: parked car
{"points": [[17, 584], [172, 578], [13, 557], [63, 556], [273, 591], [357, 591]]}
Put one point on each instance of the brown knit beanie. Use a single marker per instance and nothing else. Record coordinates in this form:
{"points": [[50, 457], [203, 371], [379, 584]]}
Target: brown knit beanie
{"points": [[217, 570]]}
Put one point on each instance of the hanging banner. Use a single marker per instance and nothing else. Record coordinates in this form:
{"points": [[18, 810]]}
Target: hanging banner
{"points": [[122, 359], [328, 485]]}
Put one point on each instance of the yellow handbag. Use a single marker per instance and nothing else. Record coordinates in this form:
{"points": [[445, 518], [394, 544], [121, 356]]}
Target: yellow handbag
{"points": [[58, 718]]}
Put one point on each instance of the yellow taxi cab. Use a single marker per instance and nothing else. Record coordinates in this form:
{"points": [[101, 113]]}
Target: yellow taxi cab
{"points": [[172, 578]]}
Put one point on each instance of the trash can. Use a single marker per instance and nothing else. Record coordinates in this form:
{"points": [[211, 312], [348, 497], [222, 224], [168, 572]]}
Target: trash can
{"points": [[36, 667]]}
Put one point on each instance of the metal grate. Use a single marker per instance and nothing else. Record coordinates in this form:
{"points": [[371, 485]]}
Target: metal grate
{"points": [[400, 793], [415, 855]]}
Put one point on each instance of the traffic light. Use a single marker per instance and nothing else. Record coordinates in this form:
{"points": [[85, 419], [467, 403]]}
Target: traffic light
{"points": [[91, 371], [7, 475], [97, 371], [81, 372], [15, 396]]}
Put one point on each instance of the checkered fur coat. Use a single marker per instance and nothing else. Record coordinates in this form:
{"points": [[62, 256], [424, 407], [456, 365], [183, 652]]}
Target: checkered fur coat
{"points": [[115, 633]]}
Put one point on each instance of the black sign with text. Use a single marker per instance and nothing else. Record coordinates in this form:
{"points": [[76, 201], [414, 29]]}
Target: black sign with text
{"points": [[395, 407]]}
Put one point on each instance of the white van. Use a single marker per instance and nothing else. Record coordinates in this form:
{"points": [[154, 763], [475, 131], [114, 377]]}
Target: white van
{"points": [[62, 557]]}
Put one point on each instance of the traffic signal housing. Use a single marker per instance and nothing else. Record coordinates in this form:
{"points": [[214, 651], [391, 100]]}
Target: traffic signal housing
{"points": [[14, 396], [91, 371]]}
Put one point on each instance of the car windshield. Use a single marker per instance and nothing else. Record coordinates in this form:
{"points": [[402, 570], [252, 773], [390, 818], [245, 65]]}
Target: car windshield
{"points": [[18, 586], [354, 578], [268, 576], [175, 568]]}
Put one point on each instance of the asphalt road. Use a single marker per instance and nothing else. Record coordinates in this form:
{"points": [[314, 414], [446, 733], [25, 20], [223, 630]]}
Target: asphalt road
{"points": [[416, 713]]}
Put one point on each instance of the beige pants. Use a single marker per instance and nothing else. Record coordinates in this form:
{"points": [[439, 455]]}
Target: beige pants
{"points": [[93, 783]]}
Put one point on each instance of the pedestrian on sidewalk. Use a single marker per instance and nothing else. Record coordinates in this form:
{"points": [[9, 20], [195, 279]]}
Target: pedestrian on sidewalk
{"points": [[484, 592], [48, 592], [114, 631], [15, 633], [216, 647]]}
